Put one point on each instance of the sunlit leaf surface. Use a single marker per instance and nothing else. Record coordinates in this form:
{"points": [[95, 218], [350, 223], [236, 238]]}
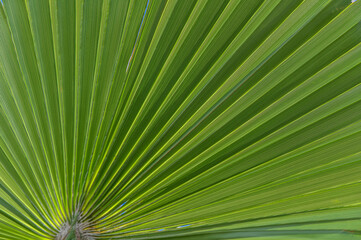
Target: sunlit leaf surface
{"points": [[180, 119]]}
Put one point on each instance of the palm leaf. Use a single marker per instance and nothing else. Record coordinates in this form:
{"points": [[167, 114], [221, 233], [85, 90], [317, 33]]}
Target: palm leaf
{"points": [[180, 119]]}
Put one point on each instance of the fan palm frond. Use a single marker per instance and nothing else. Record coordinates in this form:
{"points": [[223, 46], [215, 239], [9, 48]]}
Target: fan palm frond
{"points": [[180, 119]]}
